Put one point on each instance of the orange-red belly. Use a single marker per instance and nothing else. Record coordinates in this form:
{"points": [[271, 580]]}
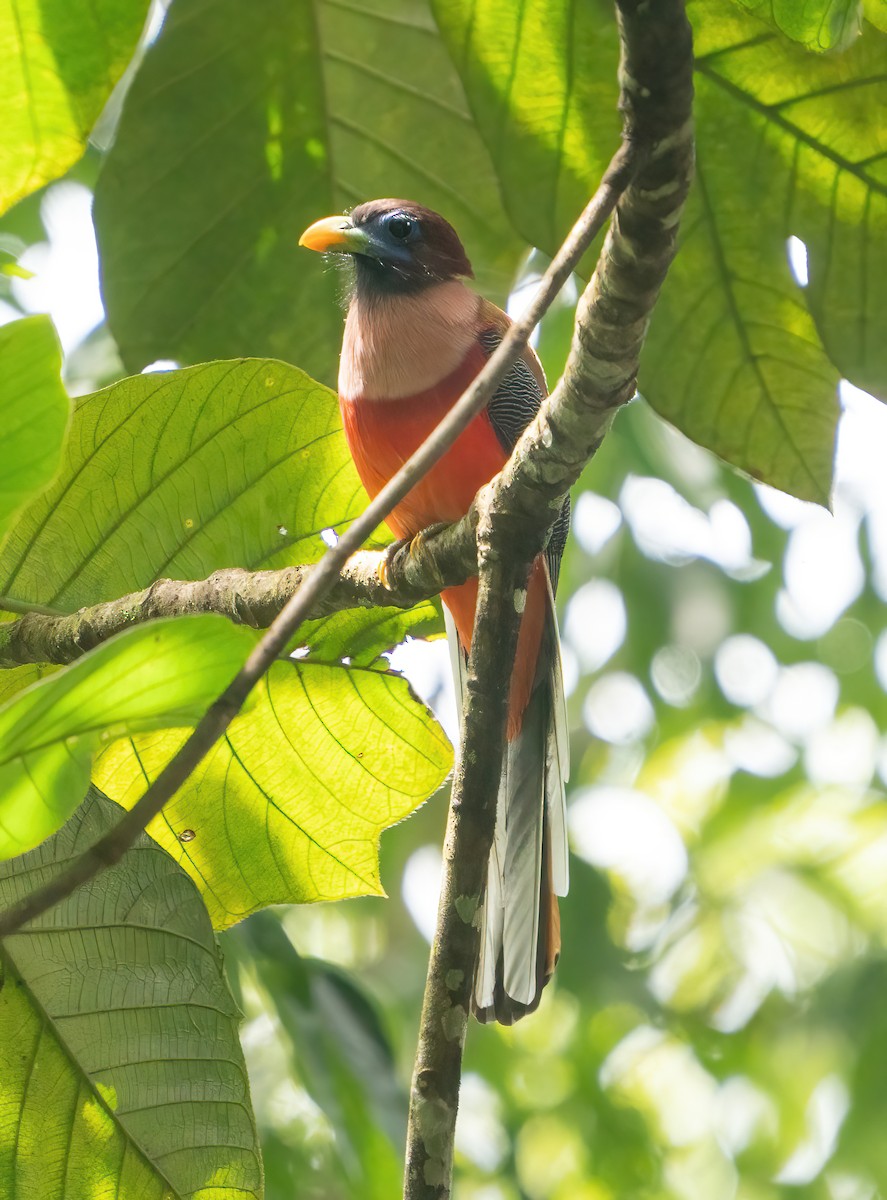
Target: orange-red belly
{"points": [[382, 434]]}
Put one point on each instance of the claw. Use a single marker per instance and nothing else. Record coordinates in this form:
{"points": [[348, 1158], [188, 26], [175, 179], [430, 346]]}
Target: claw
{"points": [[413, 546], [383, 570]]}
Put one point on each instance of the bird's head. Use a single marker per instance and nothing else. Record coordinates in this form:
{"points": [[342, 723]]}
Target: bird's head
{"points": [[396, 245]]}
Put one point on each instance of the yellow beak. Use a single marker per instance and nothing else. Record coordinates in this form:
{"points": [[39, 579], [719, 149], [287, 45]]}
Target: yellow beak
{"points": [[333, 233]]}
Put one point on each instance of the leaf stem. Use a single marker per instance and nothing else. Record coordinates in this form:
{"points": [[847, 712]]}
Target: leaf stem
{"points": [[10, 605]]}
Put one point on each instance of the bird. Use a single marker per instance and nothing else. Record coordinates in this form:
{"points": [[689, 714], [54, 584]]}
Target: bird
{"points": [[416, 335]]}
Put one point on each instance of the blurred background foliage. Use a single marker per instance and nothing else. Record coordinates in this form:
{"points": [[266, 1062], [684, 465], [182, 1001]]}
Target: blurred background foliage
{"points": [[717, 1026]]}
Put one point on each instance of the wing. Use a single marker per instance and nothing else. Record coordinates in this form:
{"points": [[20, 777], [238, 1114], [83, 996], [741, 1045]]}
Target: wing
{"points": [[513, 406]]}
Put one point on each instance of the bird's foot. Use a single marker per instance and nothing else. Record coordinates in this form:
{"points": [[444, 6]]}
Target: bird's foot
{"points": [[413, 546]]}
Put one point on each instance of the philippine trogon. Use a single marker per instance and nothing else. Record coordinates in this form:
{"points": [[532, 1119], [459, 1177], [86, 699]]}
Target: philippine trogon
{"points": [[415, 337]]}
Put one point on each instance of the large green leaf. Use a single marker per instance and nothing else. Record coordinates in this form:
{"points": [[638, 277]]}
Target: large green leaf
{"points": [[244, 124], [240, 463], [34, 412], [821, 122], [290, 805], [821, 25], [121, 1066], [60, 62], [177, 474], [789, 144], [733, 357], [541, 81], [181, 473], [155, 676]]}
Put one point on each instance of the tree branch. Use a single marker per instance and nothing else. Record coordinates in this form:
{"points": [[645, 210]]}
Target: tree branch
{"points": [[434, 1096], [253, 598], [516, 511], [323, 576]]}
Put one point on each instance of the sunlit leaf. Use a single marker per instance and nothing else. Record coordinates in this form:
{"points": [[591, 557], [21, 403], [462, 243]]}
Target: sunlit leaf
{"points": [[60, 62], [361, 635], [789, 144], [154, 676], [16, 679], [285, 113], [876, 13], [34, 412], [539, 78], [824, 160], [241, 463], [121, 1065], [179, 473], [290, 805], [823, 25]]}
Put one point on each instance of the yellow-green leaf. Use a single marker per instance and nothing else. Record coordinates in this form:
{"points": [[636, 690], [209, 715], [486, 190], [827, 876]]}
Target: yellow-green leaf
{"points": [[159, 675], [60, 63], [34, 412], [818, 26], [789, 143], [290, 805]]}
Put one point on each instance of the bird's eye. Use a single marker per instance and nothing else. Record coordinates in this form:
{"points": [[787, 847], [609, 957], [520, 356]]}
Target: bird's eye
{"points": [[400, 227]]}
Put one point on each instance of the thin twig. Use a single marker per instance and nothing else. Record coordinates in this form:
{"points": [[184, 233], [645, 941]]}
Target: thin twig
{"points": [[110, 848]]}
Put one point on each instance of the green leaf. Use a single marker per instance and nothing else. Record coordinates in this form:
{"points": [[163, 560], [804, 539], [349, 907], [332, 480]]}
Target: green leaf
{"points": [[244, 124], [290, 805], [158, 675], [131, 504], [121, 1065], [16, 679], [60, 63], [363, 634], [239, 463], [819, 26], [876, 13], [180, 473], [14, 271], [733, 358], [541, 81], [34, 412], [825, 162], [339, 1050], [789, 144]]}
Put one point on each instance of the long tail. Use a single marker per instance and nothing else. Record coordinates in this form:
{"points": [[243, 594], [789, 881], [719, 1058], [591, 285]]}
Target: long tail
{"points": [[528, 868]]}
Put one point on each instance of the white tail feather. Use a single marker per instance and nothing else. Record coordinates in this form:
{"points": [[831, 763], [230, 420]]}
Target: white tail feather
{"points": [[558, 759], [531, 792], [524, 790]]}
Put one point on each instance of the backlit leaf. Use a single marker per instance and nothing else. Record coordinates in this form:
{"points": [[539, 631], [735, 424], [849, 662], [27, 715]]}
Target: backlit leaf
{"points": [[60, 63], [242, 463], [154, 676], [789, 144], [34, 412], [285, 112], [179, 473], [290, 805], [823, 25]]}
